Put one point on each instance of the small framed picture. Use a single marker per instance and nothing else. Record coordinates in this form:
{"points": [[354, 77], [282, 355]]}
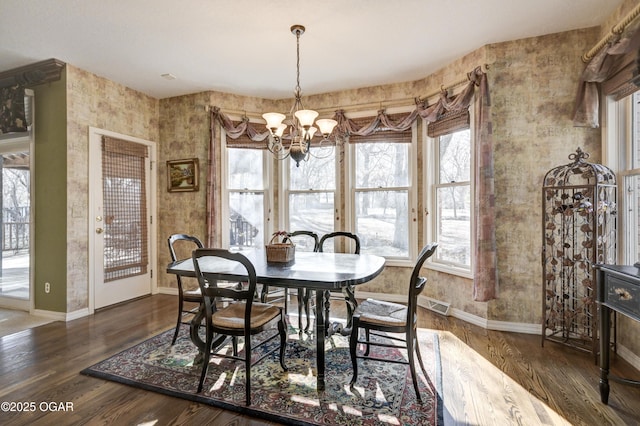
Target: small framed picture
{"points": [[182, 175]]}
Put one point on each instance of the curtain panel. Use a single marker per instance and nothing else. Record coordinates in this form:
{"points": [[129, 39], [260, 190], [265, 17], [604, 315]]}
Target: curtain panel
{"points": [[12, 113], [395, 125], [447, 115]]}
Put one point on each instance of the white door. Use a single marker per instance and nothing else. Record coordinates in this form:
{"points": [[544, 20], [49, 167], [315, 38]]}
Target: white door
{"points": [[120, 224]]}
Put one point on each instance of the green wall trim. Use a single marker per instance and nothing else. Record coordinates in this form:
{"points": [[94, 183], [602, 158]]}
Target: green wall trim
{"points": [[50, 196]]}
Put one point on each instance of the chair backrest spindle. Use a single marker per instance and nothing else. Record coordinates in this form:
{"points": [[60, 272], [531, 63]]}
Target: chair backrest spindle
{"points": [[333, 236], [308, 235]]}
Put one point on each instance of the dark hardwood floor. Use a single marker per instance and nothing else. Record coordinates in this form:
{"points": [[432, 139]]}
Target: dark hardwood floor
{"points": [[483, 372]]}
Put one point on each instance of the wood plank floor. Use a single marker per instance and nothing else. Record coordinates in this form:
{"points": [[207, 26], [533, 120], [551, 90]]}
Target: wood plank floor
{"points": [[489, 377]]}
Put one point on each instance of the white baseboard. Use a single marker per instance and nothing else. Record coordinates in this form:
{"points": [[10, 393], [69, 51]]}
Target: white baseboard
{"points": [[628, 356], [513, 327], [168, 290], [61, 316], [425, 303]]}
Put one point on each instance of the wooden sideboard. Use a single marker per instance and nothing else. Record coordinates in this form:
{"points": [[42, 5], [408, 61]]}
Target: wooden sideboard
{"points": [[618, 291]]}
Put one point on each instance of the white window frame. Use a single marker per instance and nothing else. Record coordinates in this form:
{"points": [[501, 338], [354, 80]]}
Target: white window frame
{"points": [[268, 193], [350, 159], [431, 177], [617, 147]]}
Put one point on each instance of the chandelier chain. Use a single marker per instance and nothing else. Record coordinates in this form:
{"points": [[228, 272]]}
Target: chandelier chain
{"points": [[301, 123], [298, 89]]}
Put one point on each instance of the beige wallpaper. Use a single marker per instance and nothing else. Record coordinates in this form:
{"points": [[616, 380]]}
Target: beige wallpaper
{"points": [[533, 87], [97, 102]]}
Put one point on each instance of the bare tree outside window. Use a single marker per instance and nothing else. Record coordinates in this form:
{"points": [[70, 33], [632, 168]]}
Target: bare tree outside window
{"points": [[453, 199], [382, 198], [311, 193], [16, 211]]}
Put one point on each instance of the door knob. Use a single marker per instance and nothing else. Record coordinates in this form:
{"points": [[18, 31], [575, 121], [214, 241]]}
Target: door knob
{"points": [[99, 230]]}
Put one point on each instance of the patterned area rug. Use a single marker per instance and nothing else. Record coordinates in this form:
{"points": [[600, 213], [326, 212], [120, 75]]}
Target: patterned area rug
{"points": [[383, 394]]}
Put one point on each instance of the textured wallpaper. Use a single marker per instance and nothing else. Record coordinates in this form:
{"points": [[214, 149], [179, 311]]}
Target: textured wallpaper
{"points": [[97, 102]]}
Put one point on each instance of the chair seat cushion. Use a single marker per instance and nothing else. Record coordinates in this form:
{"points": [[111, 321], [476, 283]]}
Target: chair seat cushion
{"points": [[192, 295], [378, 312], [232, 316]]}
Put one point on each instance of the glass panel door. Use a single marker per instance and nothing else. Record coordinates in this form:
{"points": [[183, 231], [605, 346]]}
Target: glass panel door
{"points": [[15, 223]]}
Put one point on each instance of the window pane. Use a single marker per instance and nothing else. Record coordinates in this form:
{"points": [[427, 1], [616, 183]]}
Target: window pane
{"points": [[455, 157], [311, 212], [454, 225], [245, 168], [317, 173], [382, 165], [246, 219], [16, 206], [382, 222]]}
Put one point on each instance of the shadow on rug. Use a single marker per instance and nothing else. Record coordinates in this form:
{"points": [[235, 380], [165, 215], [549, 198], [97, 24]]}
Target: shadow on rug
{"points": [[383, 394]]}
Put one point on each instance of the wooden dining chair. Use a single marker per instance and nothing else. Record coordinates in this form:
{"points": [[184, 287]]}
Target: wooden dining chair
{"points": [[352, 243], [192, 297], [375, 316], [243, 317], [305, 241]]}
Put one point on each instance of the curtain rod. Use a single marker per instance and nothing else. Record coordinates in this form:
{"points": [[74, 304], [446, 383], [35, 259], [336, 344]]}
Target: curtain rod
{"points": [[615, 31], [367, 105], [444, 88]]}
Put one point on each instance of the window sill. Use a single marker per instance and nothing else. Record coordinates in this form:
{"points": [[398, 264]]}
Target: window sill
{"points": [[403, 263]]}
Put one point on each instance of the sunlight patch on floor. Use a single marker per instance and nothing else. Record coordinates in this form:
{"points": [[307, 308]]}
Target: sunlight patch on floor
{"points": [[15, 321]]}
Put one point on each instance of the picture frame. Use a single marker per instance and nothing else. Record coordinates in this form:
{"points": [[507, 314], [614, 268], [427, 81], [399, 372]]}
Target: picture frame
{"points": [[182, 175]]}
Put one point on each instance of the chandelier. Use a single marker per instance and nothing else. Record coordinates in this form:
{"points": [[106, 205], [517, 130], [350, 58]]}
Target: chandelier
{"points": [[300, 123]]}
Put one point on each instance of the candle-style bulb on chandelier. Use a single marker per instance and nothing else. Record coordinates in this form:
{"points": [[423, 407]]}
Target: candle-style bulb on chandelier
{"points": [[300, 124]]}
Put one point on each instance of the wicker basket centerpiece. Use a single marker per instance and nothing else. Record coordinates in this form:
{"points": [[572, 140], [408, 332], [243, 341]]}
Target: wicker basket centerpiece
{"points": [[280, 249]]}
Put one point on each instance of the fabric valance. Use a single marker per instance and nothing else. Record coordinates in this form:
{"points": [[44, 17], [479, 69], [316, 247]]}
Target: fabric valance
{"points": [[383, 125], [485, 274]]}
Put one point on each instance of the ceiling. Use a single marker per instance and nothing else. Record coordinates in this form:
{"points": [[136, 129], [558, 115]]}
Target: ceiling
{"points": [[245, 46]]}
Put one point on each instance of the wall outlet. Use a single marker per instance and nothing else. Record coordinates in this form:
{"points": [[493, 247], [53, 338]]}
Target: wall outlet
{"points": [[47, 287]]}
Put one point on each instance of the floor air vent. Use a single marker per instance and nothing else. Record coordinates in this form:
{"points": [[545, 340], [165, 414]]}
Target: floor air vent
{"points": [[437, 306]]}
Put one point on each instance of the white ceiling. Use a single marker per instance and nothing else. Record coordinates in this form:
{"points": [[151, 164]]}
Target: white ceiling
{"points": [[246, 47]]}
